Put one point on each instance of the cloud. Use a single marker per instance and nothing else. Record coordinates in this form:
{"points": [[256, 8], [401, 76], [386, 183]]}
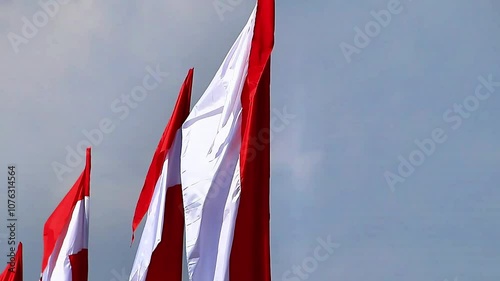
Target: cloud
{"points": [[295, 157]]}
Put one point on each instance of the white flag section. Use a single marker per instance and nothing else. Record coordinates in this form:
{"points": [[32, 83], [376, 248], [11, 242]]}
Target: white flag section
{"points": [[153, 229], [210, 171], [66, 234]]}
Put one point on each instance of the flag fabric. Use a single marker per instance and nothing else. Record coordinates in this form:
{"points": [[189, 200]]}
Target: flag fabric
{"points": [[66, 233], [225, 162], [14, 269], [159, 254]]}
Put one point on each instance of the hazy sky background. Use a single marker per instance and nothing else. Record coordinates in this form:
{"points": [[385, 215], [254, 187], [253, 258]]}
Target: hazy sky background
{"points": [[352, 121]]}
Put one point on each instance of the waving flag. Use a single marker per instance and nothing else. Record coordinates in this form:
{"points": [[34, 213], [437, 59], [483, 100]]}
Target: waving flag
{"points": [[159, 255], [66, 234], [225, 162], [14, 269]]}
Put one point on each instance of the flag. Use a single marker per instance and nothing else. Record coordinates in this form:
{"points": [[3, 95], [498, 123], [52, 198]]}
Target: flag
{"points": [[159, 254], [14, 269], [225, 162], [66, 234]]}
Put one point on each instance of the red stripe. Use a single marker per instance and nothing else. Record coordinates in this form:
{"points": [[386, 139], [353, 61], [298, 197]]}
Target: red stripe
{"points": [[14, 273], [79, 265], [166, 261], [62, 214], [250, 253], [179, 115]]}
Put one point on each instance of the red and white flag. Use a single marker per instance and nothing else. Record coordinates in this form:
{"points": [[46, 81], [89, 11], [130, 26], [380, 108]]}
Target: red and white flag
{"points": [[66, 234], [225, 162], [14, 269], [159, 255]]}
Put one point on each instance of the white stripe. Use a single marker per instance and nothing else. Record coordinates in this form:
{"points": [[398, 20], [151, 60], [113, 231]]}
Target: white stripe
{"points": [[73, 238], [210, 165], [151, 235]]}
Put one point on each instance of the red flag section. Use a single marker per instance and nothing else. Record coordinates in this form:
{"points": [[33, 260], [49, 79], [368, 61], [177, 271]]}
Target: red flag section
{"points": [[250, 253], [14, 269]]}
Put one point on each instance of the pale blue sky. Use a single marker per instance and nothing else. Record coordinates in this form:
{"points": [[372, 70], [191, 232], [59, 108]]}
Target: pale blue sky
{"points": [[352, 121]]}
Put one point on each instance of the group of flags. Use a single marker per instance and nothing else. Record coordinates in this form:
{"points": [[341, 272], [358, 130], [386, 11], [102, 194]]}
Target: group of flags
{"points": [[206, 185]]}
